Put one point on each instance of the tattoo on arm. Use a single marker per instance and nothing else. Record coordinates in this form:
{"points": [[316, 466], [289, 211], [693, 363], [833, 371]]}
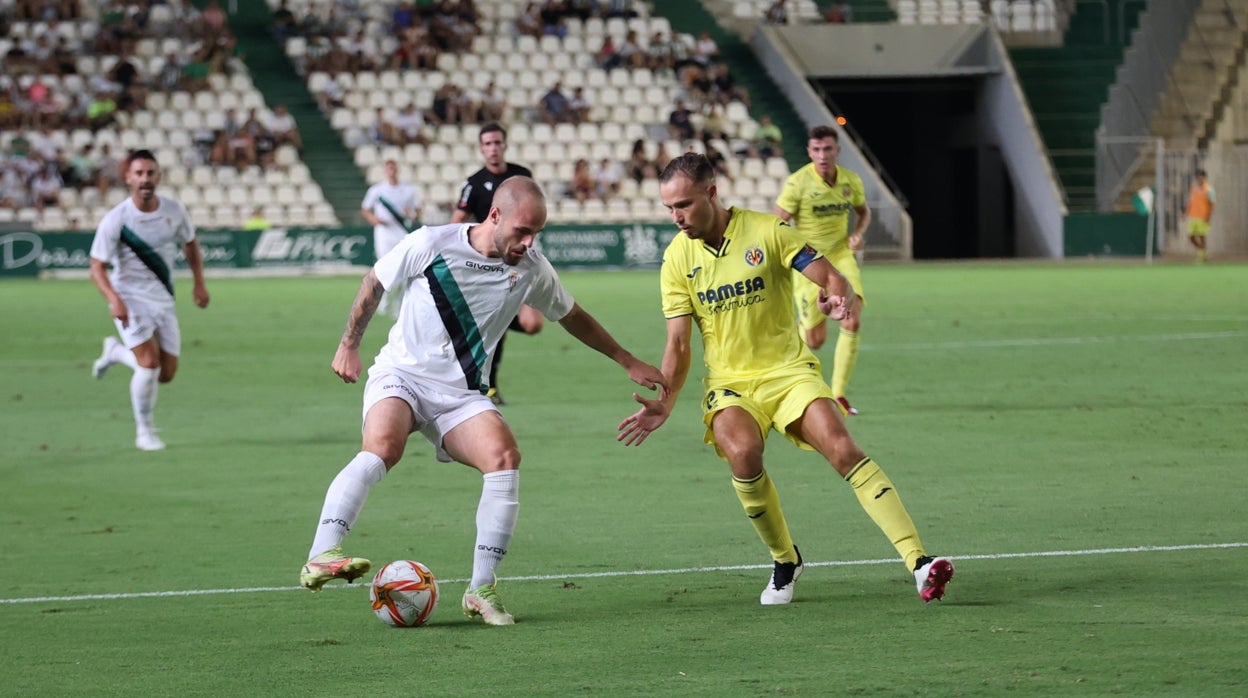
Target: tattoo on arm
{"points": [[362, 310]]}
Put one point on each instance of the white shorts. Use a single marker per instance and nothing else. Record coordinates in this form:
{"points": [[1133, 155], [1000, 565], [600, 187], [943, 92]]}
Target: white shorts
{"points": [[436, 413], [385, 237], [146, 323]]}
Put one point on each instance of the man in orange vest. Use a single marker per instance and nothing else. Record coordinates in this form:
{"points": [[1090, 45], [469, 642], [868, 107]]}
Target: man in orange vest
{"points": [[1199, 211]]}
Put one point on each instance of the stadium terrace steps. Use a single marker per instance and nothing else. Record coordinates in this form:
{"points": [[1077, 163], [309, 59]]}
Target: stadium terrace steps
{"points": [[1067, 85], [879, 11], [329, 161], [765, 97]]}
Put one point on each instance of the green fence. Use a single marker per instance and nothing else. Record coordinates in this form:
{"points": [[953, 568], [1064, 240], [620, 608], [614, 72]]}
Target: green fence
{"points": [[29, 253]]}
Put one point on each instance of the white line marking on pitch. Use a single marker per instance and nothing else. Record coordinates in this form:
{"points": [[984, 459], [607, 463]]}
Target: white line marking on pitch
{"points": [[641, 573]]}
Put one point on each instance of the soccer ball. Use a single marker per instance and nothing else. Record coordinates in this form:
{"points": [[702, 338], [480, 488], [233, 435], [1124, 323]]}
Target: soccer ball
{"points": [[404, 593]]}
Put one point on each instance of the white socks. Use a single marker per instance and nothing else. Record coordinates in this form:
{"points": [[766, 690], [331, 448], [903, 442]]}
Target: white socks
{"points": [[496, 523], [119, 354], [143, 396], [345, 499]]}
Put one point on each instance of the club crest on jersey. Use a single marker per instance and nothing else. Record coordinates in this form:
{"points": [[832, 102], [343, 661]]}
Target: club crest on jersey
{"points": [[846, 191], [512, 280], [754, 256]]}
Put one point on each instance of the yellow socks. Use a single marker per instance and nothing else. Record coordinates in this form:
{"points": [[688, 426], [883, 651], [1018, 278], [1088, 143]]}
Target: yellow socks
{"points": [[762, 504], [879, 498], [843, 361]]}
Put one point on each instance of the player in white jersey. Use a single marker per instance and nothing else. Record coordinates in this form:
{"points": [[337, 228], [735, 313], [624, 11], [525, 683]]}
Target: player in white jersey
{"points": [[393, 209], [139, 238], [464, 284]]}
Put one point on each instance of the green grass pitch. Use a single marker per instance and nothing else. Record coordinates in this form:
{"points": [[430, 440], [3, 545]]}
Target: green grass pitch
{"points": [[1024, 411]]}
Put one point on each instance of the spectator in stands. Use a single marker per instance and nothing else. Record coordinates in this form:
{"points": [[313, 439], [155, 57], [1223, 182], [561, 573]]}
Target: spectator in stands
{"points": [[83, 168], [416, 51], [214, 18], [620, 8], [284, 24], [777, 13], [580, 106], [713, 124], [257, 221], [718, 162], [468, 106], [696, 83], [639, 166], [680, 48], [555, 107], [725, 88], [608, 56], [530, 23], [493, 105], [284, 129], [705, 50], [661, 158], [680, 122], [263, 136], [108, 170], [102, 112], [582, 186], [409, 126], [169, 79], [382, 130], [12, 187], [45, 188], [607, 179], [331, 94], [10, 114], [630, 51], [445, 108], [767, 138], [659, 53], [839, 13]]}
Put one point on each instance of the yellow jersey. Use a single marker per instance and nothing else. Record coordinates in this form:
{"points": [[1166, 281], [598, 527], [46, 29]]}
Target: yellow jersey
{"points": [[741, 295], [821, 210]]}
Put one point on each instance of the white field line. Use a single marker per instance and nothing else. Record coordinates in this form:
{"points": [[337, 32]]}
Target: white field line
{"points": [[640, 573], [1055, 341]]}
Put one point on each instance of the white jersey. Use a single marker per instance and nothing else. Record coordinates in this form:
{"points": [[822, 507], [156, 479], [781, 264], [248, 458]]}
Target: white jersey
{"points": [[457, 304], [389, 202], [141, 247]]}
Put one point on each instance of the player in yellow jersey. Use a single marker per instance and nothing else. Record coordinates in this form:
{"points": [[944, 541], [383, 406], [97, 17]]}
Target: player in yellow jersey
{"points": [[729, 272], [1199, 213], [817, 199]]}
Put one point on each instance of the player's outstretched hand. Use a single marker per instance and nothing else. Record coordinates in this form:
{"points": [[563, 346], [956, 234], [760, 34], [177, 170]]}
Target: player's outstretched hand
{"points": [[347, 364], [648, 376], [635, 428]]}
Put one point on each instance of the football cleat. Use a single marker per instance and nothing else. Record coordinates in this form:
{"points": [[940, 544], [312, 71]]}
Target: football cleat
{"points": [[846, 410], [780, 589], [931, 574], [496, 397], [148, 441], [483, 601], [100, 367], [330, 565]]}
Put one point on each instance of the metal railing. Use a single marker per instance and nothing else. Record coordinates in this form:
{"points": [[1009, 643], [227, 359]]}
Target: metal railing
{"points": [[1133, 98]]}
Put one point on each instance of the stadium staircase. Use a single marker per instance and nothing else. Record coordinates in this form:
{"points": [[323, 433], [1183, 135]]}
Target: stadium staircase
{"points": [[1066, 86], [328, 160], [765, 98], [1199, 90]]}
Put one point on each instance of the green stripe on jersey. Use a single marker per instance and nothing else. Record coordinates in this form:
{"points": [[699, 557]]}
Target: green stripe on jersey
{"points": [[150, 257]]}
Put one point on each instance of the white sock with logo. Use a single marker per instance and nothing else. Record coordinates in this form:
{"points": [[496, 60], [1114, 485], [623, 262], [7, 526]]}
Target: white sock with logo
{"points": [[345, 499], [143, 386], [496, 523], [119, 354]]}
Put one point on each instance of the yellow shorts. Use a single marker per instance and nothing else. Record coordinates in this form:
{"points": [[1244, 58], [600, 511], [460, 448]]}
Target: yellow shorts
{"points": [[806, 294], [774, 402], [1197, 226]]}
